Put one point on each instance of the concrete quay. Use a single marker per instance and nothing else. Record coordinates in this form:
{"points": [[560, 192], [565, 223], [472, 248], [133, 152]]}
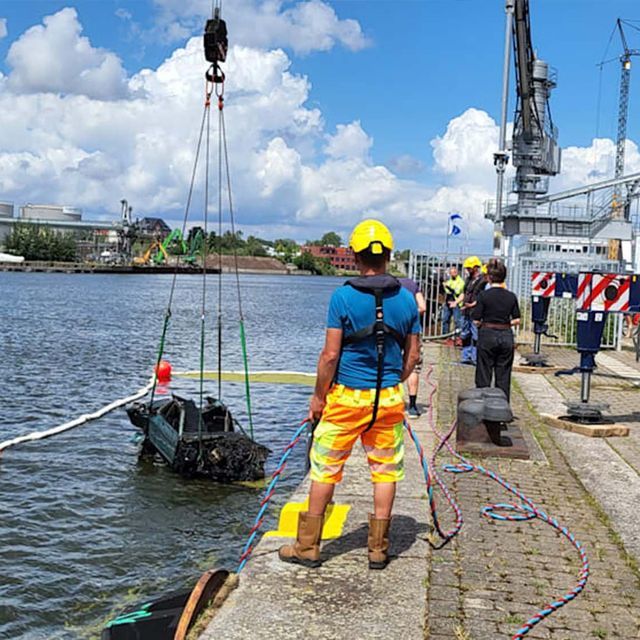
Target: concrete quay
{"points": [[493, 576]]}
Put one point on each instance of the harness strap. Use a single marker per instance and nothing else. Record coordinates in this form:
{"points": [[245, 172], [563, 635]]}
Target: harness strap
{"points": [[370, 330], [376, 286]]}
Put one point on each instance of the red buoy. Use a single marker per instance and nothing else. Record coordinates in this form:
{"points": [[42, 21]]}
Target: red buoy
{"points": [[163, 371]]}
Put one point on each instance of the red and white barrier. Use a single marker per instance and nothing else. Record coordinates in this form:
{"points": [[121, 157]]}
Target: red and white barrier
{"points": [[603, 292], [543, 283]]}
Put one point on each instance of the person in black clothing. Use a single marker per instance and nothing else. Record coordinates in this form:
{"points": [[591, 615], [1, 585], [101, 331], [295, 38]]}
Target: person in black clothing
{"points": [[496, 312], [473, 285]]}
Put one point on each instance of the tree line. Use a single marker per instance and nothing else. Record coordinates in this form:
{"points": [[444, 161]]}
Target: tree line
{"points": [[40, 243]]}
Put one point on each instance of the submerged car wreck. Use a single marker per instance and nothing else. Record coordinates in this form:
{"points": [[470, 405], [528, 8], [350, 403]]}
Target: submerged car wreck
{"points": [[197, 443]]}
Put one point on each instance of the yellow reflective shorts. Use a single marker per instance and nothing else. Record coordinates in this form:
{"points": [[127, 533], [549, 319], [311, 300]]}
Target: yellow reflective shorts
{"points": [[345, 417]]}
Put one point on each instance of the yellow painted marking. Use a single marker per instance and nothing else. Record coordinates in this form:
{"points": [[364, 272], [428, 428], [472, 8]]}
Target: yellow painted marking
{"points": [[272, 377], [335, 517]]}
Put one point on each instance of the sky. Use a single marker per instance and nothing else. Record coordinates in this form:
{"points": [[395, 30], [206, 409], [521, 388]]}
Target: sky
{"points": [[335, 110]]}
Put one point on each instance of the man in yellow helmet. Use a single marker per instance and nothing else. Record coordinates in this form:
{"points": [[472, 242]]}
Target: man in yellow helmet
{"points": [[474, 284], [371, 347]]}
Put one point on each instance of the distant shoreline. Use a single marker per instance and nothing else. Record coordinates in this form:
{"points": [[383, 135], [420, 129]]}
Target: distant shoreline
{"points": [[88, 267], [85, 267]]}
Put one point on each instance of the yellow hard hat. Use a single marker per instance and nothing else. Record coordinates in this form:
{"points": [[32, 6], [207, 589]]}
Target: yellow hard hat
{"points": [[371, 234], [471, 262], [483, 268]]}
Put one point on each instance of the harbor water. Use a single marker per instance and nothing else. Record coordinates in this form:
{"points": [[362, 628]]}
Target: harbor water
{"points": [[85, 527]]}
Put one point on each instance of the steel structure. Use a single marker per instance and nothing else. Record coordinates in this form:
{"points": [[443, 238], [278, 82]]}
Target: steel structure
{"points": [[536, 154], [623, 104], [599, 211]]}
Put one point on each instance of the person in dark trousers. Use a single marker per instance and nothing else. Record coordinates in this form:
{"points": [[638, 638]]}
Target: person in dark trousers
{"points": [[413, 381], [496, 312], [472, 287]]}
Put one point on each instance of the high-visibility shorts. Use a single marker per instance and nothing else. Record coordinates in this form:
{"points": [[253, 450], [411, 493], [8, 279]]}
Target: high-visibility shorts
{"points": [[345, 417]]}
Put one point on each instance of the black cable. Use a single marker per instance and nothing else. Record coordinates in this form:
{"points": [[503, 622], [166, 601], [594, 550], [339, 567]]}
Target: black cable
{"points": [[204, 274], [175, 273], [220, 260]]}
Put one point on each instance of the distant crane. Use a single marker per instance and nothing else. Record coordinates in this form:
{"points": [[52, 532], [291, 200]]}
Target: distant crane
{"points": [[618, 211], [623, 104], [127, 231]]}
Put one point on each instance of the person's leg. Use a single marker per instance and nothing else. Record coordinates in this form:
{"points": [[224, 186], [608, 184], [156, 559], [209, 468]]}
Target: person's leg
{"points": [[446, 316], [485, 359], [413, 382], [504, 362], [320, 495], [384, 494], [333, 440], [467, 349], [474, 342], [384, 445], [457, 317]]}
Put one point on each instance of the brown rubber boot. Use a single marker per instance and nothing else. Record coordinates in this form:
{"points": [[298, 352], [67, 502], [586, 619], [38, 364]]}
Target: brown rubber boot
{"points": [[306, 549], [378, 542]]}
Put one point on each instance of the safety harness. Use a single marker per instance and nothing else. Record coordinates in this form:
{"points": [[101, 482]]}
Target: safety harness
{"points": [[376, 286]]}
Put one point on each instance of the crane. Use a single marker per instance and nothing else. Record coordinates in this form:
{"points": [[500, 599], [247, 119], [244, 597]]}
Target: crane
{"points": [[618, 210], [623, 104], [536, 153]]}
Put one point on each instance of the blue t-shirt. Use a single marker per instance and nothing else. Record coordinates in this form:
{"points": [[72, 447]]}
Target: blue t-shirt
{"points": [[352, 310]]}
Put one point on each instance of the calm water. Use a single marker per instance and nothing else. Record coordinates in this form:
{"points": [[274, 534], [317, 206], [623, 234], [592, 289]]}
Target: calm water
{"points": [[85, 528]]}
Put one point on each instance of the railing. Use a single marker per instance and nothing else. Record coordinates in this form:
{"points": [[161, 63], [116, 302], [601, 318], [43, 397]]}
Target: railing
{"points": [[430, 271]]}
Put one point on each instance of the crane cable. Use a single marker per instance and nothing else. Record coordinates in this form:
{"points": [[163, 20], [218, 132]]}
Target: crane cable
{"points": [[167, 315], [214, 84]]}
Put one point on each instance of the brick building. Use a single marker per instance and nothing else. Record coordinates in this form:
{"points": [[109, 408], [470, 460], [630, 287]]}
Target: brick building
{"points": [[340, 257]]}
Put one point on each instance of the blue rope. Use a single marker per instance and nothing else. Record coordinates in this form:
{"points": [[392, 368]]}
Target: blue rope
{"points": [[268, 494], [520, 512]]}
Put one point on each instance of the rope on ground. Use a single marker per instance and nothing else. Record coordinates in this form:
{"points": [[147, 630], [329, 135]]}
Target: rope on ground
{"points": [[525, 511], [83, 419], [268, 494]]}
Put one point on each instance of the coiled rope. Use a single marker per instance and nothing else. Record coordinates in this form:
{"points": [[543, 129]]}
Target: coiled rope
{"points": [[524, 511]]}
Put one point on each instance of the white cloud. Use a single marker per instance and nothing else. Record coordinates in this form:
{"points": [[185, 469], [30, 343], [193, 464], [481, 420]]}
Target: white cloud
{"points": [[584, 165], [54, 57], [141, 147], [466, 149], [350, 141], [288, 173], [306, 26], [3, 28]]}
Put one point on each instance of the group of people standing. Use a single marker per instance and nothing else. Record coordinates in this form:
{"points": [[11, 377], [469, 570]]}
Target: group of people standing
{"points": [[487, 313]]}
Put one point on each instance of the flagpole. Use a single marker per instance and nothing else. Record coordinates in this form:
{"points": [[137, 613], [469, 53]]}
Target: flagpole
{"points": [[446, 239]]}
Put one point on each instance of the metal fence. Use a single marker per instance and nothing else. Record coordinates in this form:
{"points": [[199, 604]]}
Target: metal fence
{"points": [[431, 270]]}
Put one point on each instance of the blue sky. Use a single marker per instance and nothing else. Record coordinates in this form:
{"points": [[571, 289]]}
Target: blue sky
{"points": [[416, 66]]}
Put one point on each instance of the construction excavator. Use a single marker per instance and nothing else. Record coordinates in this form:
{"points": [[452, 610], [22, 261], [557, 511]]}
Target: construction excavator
{"points": [[158, 251]]}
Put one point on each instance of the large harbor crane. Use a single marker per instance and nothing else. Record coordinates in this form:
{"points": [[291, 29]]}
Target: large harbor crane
{"points": [[536, 154]]}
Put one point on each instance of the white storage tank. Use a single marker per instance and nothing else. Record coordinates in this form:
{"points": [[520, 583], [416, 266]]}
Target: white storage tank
{"points": [[53, 212]]}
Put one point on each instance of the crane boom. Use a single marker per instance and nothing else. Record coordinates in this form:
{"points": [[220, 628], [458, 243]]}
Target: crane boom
{"points": [[535, 150], [524, 65]]}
